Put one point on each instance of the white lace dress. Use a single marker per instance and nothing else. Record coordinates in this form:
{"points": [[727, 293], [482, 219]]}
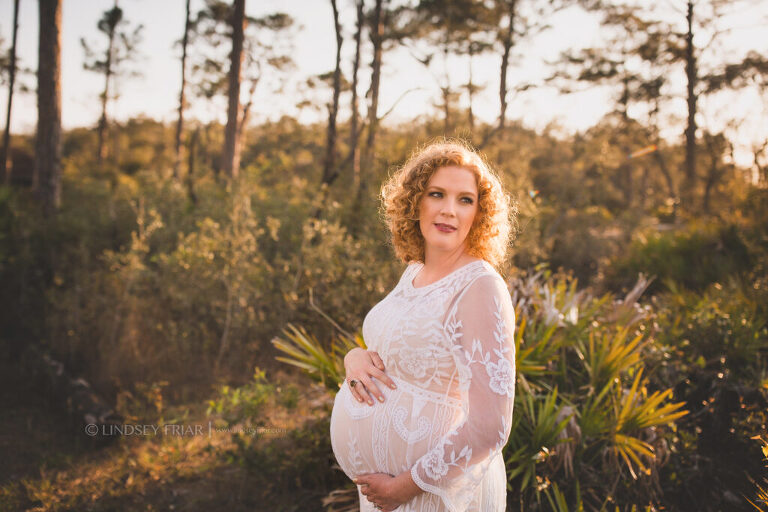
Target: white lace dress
{"points": [[449, 347]]}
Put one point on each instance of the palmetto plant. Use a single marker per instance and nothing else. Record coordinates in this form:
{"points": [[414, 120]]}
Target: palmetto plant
{"points": [[532, 359], [325, 365], [761, 499], [559, 503], [536, 429], [607, 355], [591, 350], [636, 412]]}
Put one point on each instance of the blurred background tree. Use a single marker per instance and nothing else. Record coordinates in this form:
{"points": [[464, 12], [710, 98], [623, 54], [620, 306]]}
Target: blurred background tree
{"points": [[121, 47]]}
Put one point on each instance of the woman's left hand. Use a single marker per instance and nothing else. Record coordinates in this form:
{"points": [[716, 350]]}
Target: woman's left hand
{"points": [[387, 492]]}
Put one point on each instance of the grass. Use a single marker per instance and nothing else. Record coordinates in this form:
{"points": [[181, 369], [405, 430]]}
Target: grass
{"points": [[170, 472]]}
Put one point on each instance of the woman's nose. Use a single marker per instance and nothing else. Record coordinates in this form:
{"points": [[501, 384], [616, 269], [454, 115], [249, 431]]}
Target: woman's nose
{"points": [[447, 208]]}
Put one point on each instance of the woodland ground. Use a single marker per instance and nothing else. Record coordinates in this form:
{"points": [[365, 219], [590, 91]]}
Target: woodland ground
{"points": [[47, 466]]}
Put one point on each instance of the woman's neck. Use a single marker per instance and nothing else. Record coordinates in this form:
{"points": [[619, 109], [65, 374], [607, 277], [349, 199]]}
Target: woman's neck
{"points": [[438, 265]]}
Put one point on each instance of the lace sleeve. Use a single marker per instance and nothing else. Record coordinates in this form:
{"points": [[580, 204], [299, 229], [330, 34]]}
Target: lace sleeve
{"points": [[480, 325]]}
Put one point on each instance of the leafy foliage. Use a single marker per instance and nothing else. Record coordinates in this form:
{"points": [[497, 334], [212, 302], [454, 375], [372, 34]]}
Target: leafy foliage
{"points": [[244, 403], [307, 353], [693, 258], [761, 500], [713, 347]]}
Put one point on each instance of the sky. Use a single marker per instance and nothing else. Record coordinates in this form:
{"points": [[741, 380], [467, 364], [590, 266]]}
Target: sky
{"points": [[155, 92]]}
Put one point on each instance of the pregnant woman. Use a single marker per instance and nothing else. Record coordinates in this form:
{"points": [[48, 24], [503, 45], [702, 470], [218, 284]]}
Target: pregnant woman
{"points": [[421, 419]]}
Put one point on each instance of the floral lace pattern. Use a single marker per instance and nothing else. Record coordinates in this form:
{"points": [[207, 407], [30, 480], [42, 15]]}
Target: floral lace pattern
{"points": [[449, 347], [411, 436]]}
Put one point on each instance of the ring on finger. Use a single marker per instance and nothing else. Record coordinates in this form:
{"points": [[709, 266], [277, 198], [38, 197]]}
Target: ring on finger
{"points": [[353, 382]]}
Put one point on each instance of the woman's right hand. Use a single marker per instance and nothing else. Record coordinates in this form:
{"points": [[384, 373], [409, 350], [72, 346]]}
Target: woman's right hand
{"points": [[361, 365]]}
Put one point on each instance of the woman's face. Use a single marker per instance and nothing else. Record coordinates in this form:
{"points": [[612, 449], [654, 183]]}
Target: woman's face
{"points": [[447, 209]]}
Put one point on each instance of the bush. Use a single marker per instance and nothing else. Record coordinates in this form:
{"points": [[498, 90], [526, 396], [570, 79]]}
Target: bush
{"points": [[715, 347], [155, 291], [694, 258], [243, 404]]}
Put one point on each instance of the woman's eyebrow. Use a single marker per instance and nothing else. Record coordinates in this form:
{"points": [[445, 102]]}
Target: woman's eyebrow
{"points": [[441, 189]]}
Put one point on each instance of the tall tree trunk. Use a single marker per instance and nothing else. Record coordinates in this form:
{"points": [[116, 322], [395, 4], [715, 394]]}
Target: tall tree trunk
{"points": [[366, 160], [625, 169], [246, 112], [715, 172], [231, 152], [354, 152], [471, 90], [760, 172], [712, 177], [330, 172], [662, 163], [691, 73], [180, 122], [446, 92], [446, 88], [191, 153], [48, 141], [102, 128], [507, 43], [658, 156], [5, 172], [377, 31], [114, 131]]}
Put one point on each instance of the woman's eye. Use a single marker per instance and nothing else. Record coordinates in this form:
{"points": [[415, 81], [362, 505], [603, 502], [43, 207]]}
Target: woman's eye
{"points": [[467, 200], [436, 194]]}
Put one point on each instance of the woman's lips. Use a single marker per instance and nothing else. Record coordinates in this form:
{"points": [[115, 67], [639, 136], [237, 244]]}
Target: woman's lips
{"points": [[445, 228]]}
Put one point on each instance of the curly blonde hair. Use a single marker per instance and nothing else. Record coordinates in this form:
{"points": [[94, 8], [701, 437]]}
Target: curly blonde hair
{"points": [[490, 234]]}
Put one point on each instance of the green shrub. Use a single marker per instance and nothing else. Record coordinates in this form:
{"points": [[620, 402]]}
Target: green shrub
{"points": [[694, 258], [244, 404], [714, 352], [724, 326], [298, 460]]}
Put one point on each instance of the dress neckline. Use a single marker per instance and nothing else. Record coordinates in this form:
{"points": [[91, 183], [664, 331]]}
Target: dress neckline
{"points": [[420, 265]]}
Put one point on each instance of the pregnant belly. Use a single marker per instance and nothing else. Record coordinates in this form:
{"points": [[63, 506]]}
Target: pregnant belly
{"points": [[390, 436]]}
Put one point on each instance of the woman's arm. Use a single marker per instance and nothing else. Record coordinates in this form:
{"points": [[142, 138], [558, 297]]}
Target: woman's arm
{"points": [[360, 365], [480, 327]]}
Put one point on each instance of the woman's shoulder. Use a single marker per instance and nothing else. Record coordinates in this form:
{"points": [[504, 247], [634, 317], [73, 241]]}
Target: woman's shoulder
{"points": [[411, 268], [488, 272], [486, 293], [486, 280]]}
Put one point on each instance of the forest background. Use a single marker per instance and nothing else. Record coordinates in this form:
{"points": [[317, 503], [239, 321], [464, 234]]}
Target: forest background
{"points": [[167, 264]]}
